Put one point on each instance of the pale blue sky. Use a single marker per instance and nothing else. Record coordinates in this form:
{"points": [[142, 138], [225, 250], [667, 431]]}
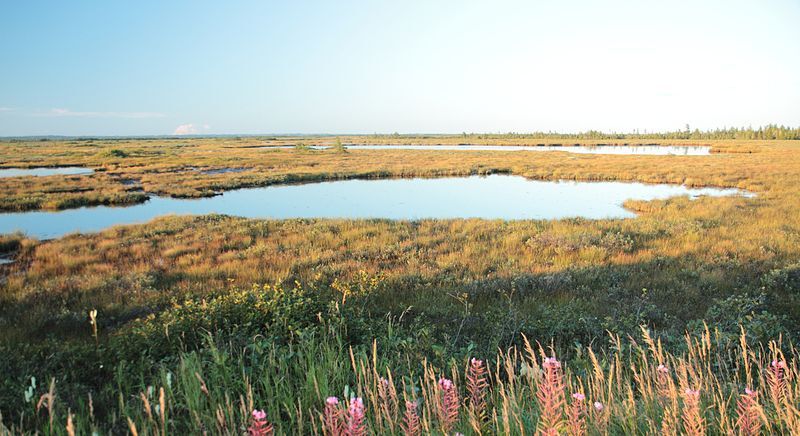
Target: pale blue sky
{"points": [[148, 67]]}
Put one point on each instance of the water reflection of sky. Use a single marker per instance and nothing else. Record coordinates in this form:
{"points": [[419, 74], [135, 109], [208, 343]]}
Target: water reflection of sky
{"points": [[656, 150], [40, 172], [491, 197]]}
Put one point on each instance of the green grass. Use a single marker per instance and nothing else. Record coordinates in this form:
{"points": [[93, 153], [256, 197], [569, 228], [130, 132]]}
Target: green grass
{"points": [[266, 355]]}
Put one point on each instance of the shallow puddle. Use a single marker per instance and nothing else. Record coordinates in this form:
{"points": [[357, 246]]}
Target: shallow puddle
{"points": [[41, 172]]}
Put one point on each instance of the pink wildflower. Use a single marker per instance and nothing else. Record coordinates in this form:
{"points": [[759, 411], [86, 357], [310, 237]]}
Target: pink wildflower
{"points": [[448, 408], [550, 397], [445, 384], [576, 415], [356, 425], [778, 364], [259, 425], [387, 399], [411, 425], [600, 417], [748, 416], [477, 385], [551, 362], [693, 422], [332, 417], [776, 380], [663, 382]]}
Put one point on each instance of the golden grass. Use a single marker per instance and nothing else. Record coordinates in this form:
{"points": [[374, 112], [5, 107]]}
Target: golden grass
{"points": [[176, 167]]}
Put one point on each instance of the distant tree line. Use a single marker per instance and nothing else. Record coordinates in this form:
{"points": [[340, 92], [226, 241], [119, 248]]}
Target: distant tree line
{"points": [[770, 131]]}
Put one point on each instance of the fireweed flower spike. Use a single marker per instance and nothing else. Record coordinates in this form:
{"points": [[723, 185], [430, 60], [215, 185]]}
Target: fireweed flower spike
{"points": [[748, 418], [448, 406], [552, 362], [550, 397], [599, 416], [576, 414], [662, 381], [776, 380], [356, 422], [692, 419], [387, 399], [259, 426], [411, 425], [332, 417], [476, 389]]}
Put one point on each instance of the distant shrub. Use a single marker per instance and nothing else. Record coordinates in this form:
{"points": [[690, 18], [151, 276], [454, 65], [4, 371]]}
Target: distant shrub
{"points": [[729, 315], [114, 153], [10, 242], [339, 147], [786, 280], [784, 285], [270, 311], [617, 241]]}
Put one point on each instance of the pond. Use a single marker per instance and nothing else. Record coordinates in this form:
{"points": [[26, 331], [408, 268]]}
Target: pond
{"points": [[41, 172], [491, 197], [658, 150]]}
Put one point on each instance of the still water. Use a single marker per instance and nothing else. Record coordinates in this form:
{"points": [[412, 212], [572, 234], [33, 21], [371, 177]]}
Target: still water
{"points": [[491, 197], [659, 150], [40, 172]]}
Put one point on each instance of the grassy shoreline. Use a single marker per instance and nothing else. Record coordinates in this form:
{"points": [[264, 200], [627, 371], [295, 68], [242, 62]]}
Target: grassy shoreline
{"points": [[127, 171]]}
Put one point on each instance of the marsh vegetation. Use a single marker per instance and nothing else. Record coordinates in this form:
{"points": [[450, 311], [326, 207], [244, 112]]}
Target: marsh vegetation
{"points": [[201, 168], [228, 314]]}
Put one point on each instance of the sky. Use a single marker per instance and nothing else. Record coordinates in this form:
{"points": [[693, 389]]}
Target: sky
{"points": [[257, 67]]}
